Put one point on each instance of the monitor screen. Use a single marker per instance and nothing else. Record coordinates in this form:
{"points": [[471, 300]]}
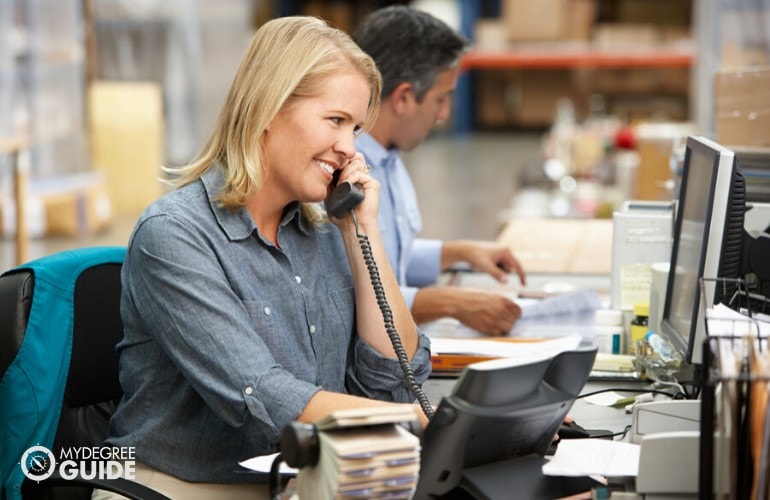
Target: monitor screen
{"points": [[707, 242]]}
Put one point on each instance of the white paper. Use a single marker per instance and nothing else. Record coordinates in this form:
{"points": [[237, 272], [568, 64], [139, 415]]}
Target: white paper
{"points": [[263, 463], [721, 320], [553, 317], [609, 398], [566, 303], [589, 457], [504, 349]]}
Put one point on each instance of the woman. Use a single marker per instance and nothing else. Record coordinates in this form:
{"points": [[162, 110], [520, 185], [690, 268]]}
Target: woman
{"points": [[244, 307]]}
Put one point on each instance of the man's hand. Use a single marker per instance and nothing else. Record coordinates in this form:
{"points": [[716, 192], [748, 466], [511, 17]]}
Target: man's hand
{"points": [[484, 311], [485, 256]]}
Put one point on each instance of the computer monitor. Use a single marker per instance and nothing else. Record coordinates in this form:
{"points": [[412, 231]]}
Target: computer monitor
{"points": [[708, 242], [500, 414]]}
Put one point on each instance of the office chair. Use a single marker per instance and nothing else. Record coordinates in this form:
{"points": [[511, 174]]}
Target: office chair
{"points": [[59, 324]]}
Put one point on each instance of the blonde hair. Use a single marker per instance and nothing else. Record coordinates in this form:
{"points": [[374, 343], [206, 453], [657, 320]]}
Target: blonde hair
{"points": [[288, 58]]}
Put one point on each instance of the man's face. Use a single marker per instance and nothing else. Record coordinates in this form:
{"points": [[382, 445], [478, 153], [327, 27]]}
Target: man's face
{"points": [[420, 117]]}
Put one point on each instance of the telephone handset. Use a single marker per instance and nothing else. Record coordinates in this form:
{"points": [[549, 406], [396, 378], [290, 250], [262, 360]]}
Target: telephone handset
{"points": [[344, 197]]}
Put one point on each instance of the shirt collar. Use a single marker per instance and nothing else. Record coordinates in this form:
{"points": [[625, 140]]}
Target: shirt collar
{"points": [[237, 224], [375, 153]]}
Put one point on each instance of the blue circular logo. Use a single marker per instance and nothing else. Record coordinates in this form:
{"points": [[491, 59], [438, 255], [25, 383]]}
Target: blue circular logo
{"points": [[38, 463]]}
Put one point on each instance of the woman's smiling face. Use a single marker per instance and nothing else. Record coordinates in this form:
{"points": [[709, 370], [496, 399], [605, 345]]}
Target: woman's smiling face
{"points": [[311, 137]]}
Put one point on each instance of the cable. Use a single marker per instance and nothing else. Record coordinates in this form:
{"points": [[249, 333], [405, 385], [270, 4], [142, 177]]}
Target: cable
{"points": [[651, 391], [622, 433], [387, 316]]}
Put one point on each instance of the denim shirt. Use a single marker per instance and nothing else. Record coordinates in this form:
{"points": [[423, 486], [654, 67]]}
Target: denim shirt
{"points": [[416, 261], [227, 337]]}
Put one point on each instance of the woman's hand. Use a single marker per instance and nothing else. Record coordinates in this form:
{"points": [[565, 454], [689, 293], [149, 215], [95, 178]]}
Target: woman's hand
{"points": [[356, 171]]}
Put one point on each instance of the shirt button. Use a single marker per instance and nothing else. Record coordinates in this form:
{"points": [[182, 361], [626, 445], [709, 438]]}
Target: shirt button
{"points": [[248, 390], [298, 279], [312, 328], [267, 310]]}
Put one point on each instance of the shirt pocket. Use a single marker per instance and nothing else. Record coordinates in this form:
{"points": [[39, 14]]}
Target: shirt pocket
{"points": [[271, 322], [345, 301]]}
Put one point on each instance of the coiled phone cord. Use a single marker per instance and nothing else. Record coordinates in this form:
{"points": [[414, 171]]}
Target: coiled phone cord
{"points": [[387, 316]]}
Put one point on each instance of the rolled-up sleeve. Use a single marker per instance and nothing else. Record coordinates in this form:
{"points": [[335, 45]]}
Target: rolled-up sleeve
{"points": [[375, 376]]}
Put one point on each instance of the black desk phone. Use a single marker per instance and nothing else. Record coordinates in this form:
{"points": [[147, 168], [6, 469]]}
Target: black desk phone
{"points": [[346, 196]]}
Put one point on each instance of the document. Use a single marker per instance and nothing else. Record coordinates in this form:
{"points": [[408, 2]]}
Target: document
{"points": [[594, 457], [723, 321], [505, 348], [555, 316]]}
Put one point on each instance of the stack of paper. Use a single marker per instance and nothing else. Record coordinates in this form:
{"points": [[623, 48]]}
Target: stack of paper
{"points": [[360, 457]]}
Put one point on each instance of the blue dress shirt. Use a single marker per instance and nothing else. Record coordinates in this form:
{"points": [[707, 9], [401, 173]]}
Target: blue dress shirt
{"points": [[227, 337], [416, 261]]}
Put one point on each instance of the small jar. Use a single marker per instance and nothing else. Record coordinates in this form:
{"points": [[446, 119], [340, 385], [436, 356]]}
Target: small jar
{"points": [[608, 331], [639, 326]]}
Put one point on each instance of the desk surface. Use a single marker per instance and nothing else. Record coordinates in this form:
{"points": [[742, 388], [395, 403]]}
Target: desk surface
{"points": [[586, 414], [560, 246]]}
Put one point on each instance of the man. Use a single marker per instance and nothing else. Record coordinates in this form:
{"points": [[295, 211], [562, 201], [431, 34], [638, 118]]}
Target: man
{"points": [[418, 56]]}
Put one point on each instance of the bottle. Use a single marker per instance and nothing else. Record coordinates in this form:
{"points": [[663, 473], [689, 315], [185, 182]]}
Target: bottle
{"points": [[608, 331], [639, 328], [661, 347]]}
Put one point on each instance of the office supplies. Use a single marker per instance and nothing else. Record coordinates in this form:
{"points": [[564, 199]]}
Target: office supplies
{"points": [[641, 235], [735, 423], [668, 465], [588, 457], [664, 416], [362, 462]]}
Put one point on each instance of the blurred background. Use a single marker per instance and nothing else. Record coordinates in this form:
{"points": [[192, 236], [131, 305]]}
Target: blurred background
{"points": [[565, 108]]}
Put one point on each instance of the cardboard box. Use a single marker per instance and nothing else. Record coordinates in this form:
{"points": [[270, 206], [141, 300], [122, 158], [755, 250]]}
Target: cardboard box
{"points": [[75, 205], [668, 12], [655, 143], [560, 246], [126, 132], [625, 35], [541, 91], [537, 20], [742, 111], [526, 98]]}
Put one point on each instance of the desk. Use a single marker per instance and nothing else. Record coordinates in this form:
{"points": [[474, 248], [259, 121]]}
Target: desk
{"points": [[560, 246]]}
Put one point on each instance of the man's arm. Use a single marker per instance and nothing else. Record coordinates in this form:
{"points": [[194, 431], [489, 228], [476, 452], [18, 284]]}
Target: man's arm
{"points": [[485, 256], [487, 312]]}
